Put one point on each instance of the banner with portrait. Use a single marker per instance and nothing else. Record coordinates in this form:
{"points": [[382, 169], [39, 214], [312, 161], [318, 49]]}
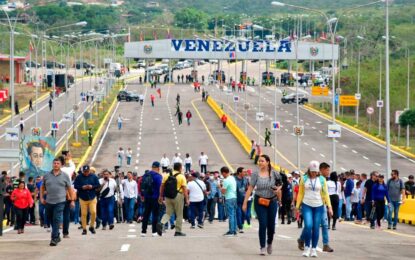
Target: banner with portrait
{"points": [[38, 154]]}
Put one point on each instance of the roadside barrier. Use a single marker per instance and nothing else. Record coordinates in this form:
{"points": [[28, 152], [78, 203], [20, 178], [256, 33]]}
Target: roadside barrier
{"points": [[407, 211]]}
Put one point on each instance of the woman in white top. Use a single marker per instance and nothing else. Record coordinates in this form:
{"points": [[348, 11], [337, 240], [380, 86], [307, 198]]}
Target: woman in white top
{"points": [[120, 155], [312, 197], [106, 201], [128, 155], [187, 163], [334, 188]]}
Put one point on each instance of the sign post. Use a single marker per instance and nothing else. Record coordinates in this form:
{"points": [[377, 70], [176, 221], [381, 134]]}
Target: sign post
{"points": [[260, 116], [348, 101], [275, 125], [334, 131], [298, 130], [370, 111]]}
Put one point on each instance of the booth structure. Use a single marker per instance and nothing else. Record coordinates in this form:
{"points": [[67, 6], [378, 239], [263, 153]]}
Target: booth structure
{"points": [[18, 68], [221, 49]]}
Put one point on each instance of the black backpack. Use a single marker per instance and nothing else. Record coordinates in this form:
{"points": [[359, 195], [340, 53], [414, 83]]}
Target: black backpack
{"points": [[147, 184], [170, 187]]}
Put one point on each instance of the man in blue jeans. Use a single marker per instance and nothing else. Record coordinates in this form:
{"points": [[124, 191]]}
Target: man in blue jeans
{"points": [[396, 190], [130, 196], [348, 194], [241, 187], [56, 183], [228, 188]]}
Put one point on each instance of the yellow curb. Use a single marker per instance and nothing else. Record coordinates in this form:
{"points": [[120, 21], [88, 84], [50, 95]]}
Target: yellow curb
{"points": [[84, 132], [373, 138], [76, 144]]}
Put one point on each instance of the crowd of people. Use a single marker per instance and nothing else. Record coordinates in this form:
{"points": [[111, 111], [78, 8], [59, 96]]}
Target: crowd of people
{"points": [[171, 193]]}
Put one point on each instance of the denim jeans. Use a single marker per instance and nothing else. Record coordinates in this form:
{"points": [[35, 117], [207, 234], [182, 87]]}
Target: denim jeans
{"points": [[196, 208], [107, 210], [55, 214], [393, 208], [66, 217], [120, 161], [76, 212], [129, 208], [231, 208], [340, 210], [240, 215], [43, 216], [128, 160], [151, 206], [266, 218], [119, 125], [248, 212], [325, 226], [348, 207], [312, 219], [211, 207], [221, 211], [187, 167]]}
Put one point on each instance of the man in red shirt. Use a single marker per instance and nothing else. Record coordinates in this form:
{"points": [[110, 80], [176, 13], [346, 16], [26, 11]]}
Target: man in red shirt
{"points": [[152, 100], [224, 119]]}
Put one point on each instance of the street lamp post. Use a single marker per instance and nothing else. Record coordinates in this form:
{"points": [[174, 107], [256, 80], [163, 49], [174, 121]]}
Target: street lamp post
{"points": [[407, 96], [387, 98], [358, 81]]}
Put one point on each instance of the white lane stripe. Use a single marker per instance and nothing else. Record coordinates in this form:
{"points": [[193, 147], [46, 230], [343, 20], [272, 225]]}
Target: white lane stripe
{"points": [[354, 151], [282, 236], [343, 169], [305, 144], [132, 230], [125, 247], [378, 164], [322, 155], [131, 236], [320, 131], [314, 149], [313, 127], [345, 146], [131, 225], [364, 157]]}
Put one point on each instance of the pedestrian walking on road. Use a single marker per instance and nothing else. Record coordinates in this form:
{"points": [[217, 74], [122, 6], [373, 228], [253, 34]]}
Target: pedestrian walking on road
{"points": [[30, 105], [165, 163], [379, 194], [141, 98], [180, 117], [188, 117], [228, 189], [258, 153], [152, 100], [86, 185], [203, 95], [150, 191], [203, 162], [90, 137], [128, 155], [312, 198], [267, 137], [16, 108], [396, 190], [188, 163], [334, 189], [241, 187], [253, 148], [197, 190], [178, 78], [22, 201], [130, 196], [159, 92], [107, 200], [50, 104], [21, 124], [56, 184], [178, 99], [267, 185], [174, 189], [182, 78], [224, 119], [119, 121], [120, 156]]}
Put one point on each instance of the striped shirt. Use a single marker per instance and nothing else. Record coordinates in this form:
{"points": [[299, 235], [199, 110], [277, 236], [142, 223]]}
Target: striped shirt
{"points": [[264, 184]]}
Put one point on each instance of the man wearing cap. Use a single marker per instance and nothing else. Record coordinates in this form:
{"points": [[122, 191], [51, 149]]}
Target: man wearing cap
{"points": [[197, 190], [86, 185], [151, 195]]}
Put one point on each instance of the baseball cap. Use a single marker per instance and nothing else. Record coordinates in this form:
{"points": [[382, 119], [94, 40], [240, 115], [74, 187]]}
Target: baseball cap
{"points": [[314, 166], [85, 168], [289, 175], [155, 164]]}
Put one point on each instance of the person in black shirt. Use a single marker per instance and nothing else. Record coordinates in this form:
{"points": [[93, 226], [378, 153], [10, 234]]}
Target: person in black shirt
{"points": [[367, 197], [410, 186], [31, 186]]}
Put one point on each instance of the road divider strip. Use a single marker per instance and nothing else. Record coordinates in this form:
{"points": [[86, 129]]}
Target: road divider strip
{"points": [[236, 131], [361, 132]]}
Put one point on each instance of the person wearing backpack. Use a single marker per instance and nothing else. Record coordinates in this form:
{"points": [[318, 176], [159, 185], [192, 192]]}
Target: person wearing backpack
{"points": [[173, 188], [107, 201], [396, 191], [150, 190]]}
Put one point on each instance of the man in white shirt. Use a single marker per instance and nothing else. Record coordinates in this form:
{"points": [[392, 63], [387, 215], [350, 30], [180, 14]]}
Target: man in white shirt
{"points": [[108, 188], [130, 196], [196, 189], [164, 162], [69, 167], [176, 159], [187, 163], [128, 155], [203, 162]]}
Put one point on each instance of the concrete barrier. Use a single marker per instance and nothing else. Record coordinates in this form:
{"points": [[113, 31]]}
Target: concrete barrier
{"points": [[407, 211], [236, 131]]}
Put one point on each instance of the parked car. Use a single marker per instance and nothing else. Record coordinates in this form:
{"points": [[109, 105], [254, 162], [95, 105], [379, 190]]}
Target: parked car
{"points": [[32, 65], [127, 96], [291, 98]]}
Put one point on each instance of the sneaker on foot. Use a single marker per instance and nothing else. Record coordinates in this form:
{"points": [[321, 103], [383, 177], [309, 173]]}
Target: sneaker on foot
{"points": [[306, 252], [313, 252], [389, 226], [143, 234], [179, 234], [92, 230], [155, 235], [241, 231], [269, 249], [262, 251], [200, 226], [300, 244], [327, 248], [84, 232], [192, 226], [229, 234], [111, 226], [394, 227], [159, 229], [53, 242]]}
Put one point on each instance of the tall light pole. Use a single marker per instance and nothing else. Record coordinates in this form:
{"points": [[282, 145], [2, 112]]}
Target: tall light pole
{"points": [[407, 96], [358, 80], [387, 98]]}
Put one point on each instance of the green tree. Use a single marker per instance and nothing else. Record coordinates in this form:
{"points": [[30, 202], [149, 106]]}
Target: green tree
{"points": [[191, 18], [407, 118]]}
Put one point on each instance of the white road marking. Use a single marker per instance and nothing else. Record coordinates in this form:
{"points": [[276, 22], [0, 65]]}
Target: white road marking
{"points": [[286, 130], [313, 127], [174, 129], [286, 237], [378, 164], [318, 122], [177, 142], [322, 155], [364, 157], [314, 149], [288, 121], [131, 236], [305, 144], [307, 123], [132, 230], [125, 247], [138, 155], [320, 131], [156, 119], [345, 146], [178, 148], [132, 225], [343, 169], [136, 161], [354, 151]]}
